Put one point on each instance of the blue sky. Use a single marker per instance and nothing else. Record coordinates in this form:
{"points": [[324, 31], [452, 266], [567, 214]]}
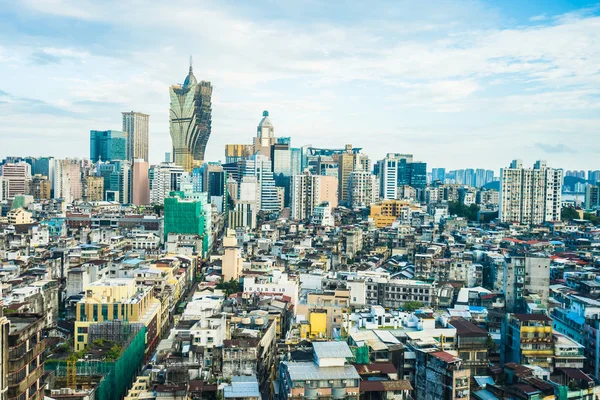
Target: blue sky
{"points": [[458, 84]]}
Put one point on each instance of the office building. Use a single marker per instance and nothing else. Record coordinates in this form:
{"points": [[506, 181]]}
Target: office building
{"points": [[243, 215], [309, 191], [136, 127], [140, 183], [41, 187], [237, 152], [166, 178], [17, 179], [265, 136], [259, 166], [530, 196], [190, 121], [108, 145]]}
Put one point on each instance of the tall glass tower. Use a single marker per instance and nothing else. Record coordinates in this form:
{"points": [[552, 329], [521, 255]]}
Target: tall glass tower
{"points": [[190, 120], [108, 145]]}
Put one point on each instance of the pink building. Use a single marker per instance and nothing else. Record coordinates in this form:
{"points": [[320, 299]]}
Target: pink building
{"points": [[141, 183]]}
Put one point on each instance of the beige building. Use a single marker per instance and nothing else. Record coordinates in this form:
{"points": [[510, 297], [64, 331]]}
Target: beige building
{"points": [[94, 188], [349, 162], [265, 136], [135, 126], [530, 196], [18, 216], [232, 262], [310, 191], [117, 299], [40, 187]]}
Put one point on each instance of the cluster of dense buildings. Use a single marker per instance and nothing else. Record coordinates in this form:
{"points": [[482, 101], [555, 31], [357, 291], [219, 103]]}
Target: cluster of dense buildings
{"points": [[289, 273]]}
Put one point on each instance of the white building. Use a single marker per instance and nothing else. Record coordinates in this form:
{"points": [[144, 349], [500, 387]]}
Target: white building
{"points": [[166, 177], [310, 191], [362, 189], [17, 179], [530, 195], [277, 283]]}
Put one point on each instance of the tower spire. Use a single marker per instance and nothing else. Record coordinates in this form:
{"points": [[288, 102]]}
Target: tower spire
{"points": [[190, 64]]}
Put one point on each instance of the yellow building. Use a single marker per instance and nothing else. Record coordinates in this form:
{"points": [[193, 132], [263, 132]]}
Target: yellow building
{"points": [[326, 307], [40, 187], [387, 212], [94, 188], [529, 339], [117, 299], [18, 216]]}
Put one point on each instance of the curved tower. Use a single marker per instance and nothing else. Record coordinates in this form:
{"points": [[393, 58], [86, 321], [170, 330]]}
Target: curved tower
{"points": [[190, 120]]}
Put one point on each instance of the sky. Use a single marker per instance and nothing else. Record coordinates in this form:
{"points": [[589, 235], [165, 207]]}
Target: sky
{"points": [[467, 84]]}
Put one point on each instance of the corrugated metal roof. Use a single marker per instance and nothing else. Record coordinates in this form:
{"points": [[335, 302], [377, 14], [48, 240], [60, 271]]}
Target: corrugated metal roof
{"points": [[332, 350], [303, 371]]}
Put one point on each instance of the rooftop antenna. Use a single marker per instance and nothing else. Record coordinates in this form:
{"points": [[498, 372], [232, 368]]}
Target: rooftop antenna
{"points": [[190, 63]]}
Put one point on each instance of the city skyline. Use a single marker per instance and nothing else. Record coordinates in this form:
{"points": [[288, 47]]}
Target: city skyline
{"points": [[520, 73]]}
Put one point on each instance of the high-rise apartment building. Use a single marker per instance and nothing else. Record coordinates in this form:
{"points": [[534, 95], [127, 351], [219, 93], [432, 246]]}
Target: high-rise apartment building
{"points": [[593, 176], [438, 174], [592, 197], [136, 127], [17, 179], [108, 145], [68, 180], [140, 184], [530, 195], [265, 136], [190, 121], [166, 178], [348, 162], [309, 191], [93, 188], [525, 275], [40, 187], [363, 189]]}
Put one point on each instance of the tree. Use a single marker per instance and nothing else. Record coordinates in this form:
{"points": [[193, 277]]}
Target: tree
{"points": [[230, 287], [461, 210], [411, 306], [569, 213]]}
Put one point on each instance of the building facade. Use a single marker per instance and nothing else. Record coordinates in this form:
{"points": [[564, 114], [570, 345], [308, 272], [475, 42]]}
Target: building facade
{"points": [[136, 127], [530, 196]]}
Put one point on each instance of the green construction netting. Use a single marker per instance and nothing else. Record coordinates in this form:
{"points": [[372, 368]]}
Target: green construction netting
{"points": [[361, 354], [118, 375]]}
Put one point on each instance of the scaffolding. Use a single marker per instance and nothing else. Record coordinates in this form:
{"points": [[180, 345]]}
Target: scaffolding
{"points": [[120, 332], [117, 375]]}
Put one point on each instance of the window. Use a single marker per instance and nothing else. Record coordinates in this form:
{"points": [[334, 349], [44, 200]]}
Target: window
{"points": [[105, 312], [82, 329], [80, 338], [95, 313]]}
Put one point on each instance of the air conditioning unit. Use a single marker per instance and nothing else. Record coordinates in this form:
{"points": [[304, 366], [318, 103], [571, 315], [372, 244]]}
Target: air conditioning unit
{"points": [[307, 381], [330, 381], [344, 381]]}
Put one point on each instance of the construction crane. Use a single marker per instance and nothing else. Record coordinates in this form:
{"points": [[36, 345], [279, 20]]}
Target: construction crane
{"points": [[72, 372]]}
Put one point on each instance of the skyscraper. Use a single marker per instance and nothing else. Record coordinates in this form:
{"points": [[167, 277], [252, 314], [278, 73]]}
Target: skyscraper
{"points": [[265, 136], [135, 125], [108, 145], [530, 196], [190, 121], [309, 191], [348, 162]]}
